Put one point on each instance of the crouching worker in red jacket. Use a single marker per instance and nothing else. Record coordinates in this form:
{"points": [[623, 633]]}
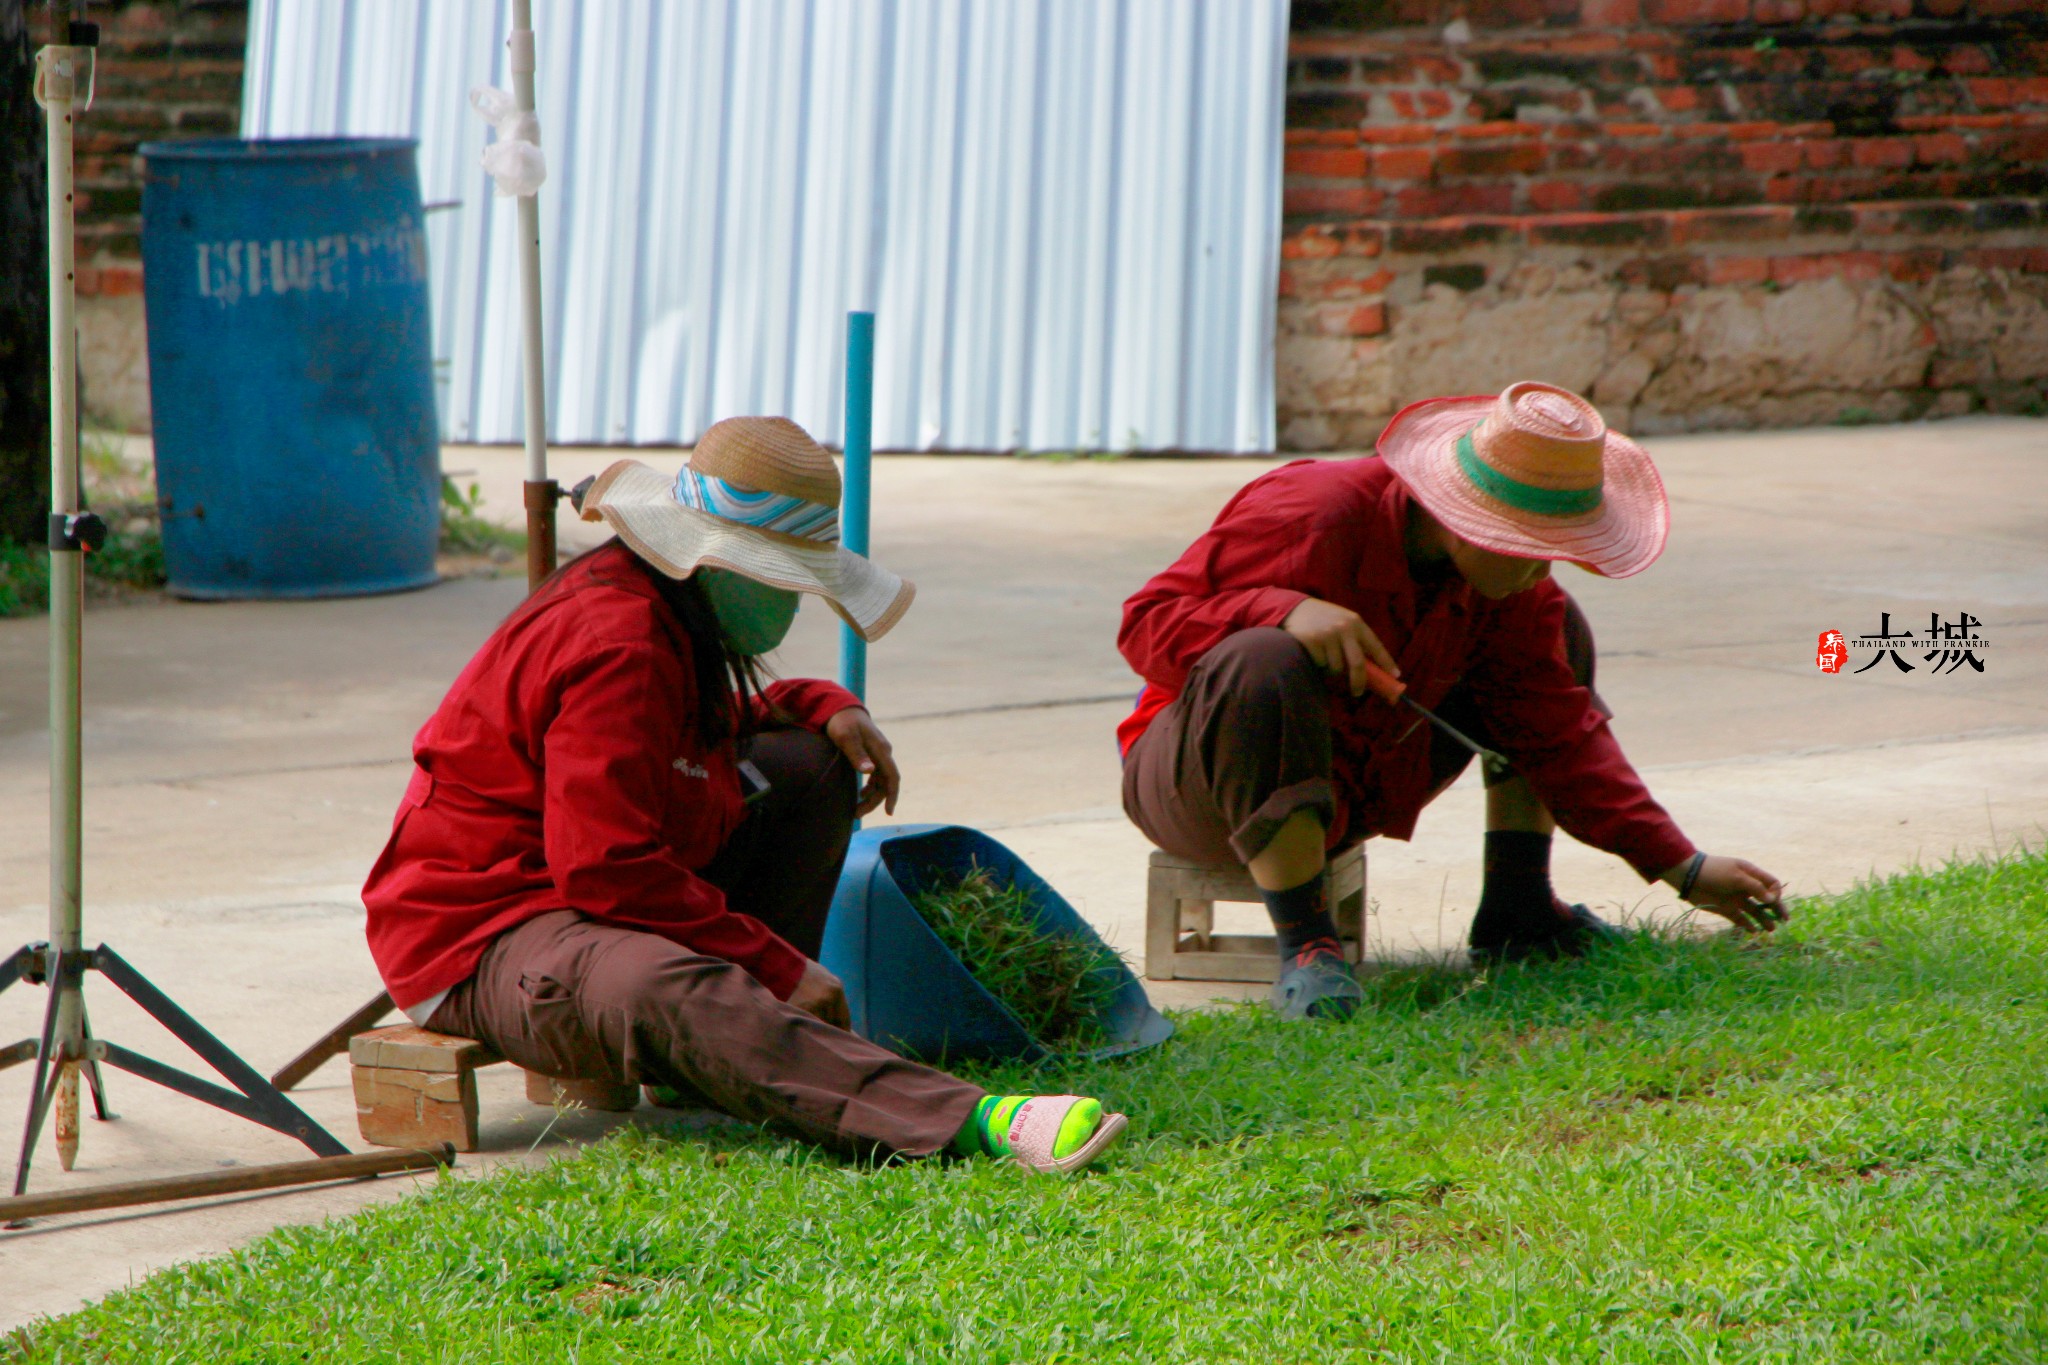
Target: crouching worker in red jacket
{"points": [[618, 848], [1257, 739]]}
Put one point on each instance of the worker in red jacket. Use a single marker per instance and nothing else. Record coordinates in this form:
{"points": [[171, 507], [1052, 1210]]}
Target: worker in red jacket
{"points": [[616, 854], [1258, 740]]}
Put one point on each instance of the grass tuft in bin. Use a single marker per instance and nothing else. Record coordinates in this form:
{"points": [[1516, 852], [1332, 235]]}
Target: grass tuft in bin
{"points": [[1056, 984]]}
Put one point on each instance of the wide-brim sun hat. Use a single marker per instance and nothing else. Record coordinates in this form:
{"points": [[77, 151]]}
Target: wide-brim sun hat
{"points": [[1532, 472], [757, 497]]}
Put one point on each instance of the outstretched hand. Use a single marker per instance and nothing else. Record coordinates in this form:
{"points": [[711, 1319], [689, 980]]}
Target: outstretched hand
{"points": [[857, 736], [1737, 890]]}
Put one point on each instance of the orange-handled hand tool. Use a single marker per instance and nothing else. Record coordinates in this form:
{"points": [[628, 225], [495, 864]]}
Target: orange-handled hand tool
{"points": [[1395, 693]]}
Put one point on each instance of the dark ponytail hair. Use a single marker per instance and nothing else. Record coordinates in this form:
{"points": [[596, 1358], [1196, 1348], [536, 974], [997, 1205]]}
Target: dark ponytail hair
{"points": [[724, 675], [727, 681]]}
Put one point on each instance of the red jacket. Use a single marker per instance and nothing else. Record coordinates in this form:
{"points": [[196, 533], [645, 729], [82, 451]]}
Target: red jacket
{"points": [[563, 770], [1333, 529]]}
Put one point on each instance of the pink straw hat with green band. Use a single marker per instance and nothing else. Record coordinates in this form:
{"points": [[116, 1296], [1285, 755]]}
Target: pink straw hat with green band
{"points": [[1535, 473]]}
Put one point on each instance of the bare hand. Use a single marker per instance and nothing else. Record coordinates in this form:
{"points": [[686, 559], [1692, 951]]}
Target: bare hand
{"points": [[1339, 640], [854, 731], [1737, 890], [821, 994]]}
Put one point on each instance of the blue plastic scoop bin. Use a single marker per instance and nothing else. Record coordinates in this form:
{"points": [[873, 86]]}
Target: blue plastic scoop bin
{"points": [[907, 990]]}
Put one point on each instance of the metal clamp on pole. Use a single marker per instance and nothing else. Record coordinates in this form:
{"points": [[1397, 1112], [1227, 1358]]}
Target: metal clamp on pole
{"points": [[64, 75], [541, 497], [76, 531]]}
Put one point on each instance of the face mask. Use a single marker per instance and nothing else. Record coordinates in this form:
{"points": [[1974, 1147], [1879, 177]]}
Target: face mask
{"points": [[754, 616]]}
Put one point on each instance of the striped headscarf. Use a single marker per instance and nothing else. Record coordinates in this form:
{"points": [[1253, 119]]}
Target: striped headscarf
{"points": [[780, 512]]}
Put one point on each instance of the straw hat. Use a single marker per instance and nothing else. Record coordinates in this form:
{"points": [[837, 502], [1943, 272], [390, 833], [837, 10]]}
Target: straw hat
{"points": [[758, 497], [1535, 473]]}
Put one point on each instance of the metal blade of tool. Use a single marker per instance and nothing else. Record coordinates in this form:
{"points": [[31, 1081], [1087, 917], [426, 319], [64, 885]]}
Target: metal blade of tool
{"points": [[1395, 693]]}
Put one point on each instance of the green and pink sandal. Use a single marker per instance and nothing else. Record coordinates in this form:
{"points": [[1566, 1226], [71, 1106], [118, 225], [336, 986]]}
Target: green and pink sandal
{"points": [[1056, 1134]]}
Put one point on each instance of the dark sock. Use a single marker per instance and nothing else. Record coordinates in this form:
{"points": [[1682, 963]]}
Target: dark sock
{"points": [[1516, 900], [1299, 916]]}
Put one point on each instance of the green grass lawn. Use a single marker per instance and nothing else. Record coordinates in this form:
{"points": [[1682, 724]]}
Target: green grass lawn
{"points": [[1833, 1147]]}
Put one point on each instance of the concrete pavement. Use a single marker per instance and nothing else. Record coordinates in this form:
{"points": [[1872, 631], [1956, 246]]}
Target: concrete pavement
{"points": [[243, 760]]}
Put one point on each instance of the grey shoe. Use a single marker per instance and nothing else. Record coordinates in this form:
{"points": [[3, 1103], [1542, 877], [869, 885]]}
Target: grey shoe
{"points": [[1317, 984]]}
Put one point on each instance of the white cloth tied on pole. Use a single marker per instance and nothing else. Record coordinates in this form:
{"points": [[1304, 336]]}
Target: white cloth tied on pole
{"points": [[514, 161]]}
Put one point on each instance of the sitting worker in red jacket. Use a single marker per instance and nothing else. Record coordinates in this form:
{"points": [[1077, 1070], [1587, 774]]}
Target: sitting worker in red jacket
{"points": [[1257, 739], [580, 877]]}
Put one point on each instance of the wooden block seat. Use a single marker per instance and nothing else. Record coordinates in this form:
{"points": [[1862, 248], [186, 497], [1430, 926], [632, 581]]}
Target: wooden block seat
{"points": [[1181, 942], [415, 1088]]}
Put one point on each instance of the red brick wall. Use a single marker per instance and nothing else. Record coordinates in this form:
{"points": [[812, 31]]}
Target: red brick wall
{"points": [[1614, 178], [168, 69], [1671, 146]]}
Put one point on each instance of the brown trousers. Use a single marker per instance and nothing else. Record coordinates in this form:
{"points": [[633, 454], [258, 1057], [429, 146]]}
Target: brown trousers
{"points": [[1246, 744], [570, 996]]}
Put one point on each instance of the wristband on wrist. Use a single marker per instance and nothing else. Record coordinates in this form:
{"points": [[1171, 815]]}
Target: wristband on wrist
{"points": [[1692, 874]]}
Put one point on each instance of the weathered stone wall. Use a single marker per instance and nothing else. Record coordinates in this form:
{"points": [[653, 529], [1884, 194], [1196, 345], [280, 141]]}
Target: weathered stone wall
{"points": [[1674, 320], [168, 69], [1704, 213]]}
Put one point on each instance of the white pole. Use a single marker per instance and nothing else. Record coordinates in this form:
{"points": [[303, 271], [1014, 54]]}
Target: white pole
{"points": [[540, 491], [62, 72]]}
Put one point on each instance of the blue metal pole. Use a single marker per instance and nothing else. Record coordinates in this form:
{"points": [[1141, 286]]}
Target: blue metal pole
{"points": [[853, 507]]}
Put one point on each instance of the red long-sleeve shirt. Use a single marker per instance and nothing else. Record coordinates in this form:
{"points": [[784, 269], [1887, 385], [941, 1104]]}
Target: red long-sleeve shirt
{"points": [[565, 770], [1333, 529]]}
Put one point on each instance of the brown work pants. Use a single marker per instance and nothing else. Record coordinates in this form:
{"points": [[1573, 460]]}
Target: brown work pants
{"points": [[1247, 744], [570, 996]]}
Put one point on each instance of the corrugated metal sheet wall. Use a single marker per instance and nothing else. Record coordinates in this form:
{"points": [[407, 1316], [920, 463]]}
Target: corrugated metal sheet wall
{"points": [[1065, 213]]}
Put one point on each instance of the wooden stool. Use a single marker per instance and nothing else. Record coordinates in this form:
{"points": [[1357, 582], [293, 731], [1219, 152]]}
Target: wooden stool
{"points": [[1180, 914], [415, 1088]]}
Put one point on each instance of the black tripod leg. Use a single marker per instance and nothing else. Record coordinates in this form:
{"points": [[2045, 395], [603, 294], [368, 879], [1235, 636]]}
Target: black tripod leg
{"points": [[39, 1096], [280, 1113], [11, 966], [92, 1066]]}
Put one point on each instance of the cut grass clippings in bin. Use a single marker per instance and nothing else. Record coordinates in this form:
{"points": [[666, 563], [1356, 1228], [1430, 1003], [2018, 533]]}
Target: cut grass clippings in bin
{"points": [[1057, 985]]}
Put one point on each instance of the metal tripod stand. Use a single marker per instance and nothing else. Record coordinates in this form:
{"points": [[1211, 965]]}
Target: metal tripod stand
{"points": [[66, 1046]]}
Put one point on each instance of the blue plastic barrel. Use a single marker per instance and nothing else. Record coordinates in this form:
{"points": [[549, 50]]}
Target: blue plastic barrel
{"points": [[291, 381], [907, 991]]}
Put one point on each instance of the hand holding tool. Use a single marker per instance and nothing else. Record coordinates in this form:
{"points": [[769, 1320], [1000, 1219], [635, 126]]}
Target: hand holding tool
{"points": [[1395, 693]]}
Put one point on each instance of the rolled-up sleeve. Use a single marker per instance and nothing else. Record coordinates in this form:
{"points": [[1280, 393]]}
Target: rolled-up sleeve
{"points": [[1250, 569]]}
